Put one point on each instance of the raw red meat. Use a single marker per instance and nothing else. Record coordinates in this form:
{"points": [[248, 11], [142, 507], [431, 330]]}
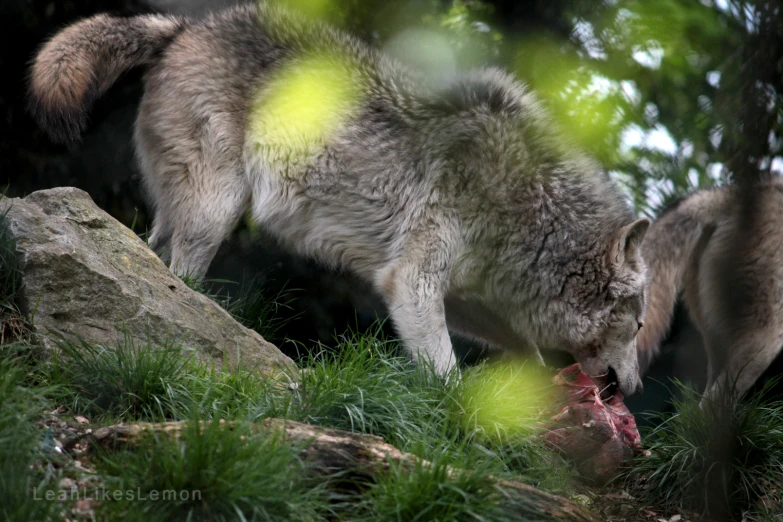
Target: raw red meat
{"points": [[598, 435]]}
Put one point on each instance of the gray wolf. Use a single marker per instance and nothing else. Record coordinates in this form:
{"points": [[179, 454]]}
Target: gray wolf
{"points": [[728, 268], [460, 203]]}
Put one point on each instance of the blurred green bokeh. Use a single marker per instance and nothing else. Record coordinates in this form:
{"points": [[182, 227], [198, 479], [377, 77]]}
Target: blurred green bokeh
{"points": [[506, 400], [302, 105]]}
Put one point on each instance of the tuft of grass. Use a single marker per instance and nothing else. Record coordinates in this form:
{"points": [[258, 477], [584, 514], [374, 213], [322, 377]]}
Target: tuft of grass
{"points": [[197, 284], [213, 472], [365, 385], [526, 458], [230, 395], [449, 488], [145, 382], [725, 459], [429, 492], [252, 306], [22, 489], [127, 381]]}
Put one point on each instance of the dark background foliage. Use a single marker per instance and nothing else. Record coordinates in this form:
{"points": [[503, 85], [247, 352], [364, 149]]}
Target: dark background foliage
{"points": [[671, 95]]}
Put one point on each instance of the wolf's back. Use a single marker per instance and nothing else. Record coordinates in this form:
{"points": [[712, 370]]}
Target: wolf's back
{"points": [[82, 61]]}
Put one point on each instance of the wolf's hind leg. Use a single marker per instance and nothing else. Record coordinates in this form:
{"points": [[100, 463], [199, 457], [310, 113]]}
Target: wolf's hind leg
{"points": [[415, 299], [214, 203], [159, 239]]}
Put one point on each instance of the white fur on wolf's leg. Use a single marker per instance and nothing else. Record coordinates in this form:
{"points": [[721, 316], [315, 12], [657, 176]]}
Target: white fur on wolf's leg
{"points": [[181, 267], [202, 212], [160, 243], [416, 306], [194, 246]]}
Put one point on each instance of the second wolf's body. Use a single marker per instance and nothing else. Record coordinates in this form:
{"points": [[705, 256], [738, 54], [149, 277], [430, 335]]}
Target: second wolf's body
{"points": [[460, 204], [726, 262]]}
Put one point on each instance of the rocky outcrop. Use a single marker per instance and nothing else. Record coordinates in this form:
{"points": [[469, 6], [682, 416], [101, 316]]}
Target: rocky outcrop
{"points": [[87, 276]]}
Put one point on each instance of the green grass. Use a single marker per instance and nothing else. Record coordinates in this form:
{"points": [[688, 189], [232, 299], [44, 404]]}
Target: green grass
{"points": [[258, 309], [22, 488], [214, 473], [252, 304], [458, 484], [22, 485], [125, 381], [10, 276], [231, 395], [131, 382], [720, 460], [366, 386]]}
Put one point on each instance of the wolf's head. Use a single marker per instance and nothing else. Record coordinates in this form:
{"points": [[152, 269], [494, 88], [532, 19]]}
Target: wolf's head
{"points": [[595, 304], [606, 325]]}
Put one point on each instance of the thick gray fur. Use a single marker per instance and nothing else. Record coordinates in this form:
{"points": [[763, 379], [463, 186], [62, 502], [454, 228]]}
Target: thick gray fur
{"points": [[461, 204]]}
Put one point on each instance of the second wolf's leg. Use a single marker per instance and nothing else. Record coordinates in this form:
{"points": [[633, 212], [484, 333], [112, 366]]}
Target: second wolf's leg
{"points": [[750, 358], [710, 373], [715, 350], [415, 298]]}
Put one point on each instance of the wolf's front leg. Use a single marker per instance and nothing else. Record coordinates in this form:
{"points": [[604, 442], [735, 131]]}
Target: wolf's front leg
{"points": [[415, 299]]}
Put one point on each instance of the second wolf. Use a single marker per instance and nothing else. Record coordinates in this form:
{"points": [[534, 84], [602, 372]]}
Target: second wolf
{"points": [[458, 202], [726, 261]]}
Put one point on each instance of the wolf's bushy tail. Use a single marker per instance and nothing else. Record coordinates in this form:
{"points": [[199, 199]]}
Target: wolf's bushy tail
{"points": [[82, 61], [672, 245]]}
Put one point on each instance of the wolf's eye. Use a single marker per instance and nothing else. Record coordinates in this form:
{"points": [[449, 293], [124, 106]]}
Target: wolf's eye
{"points": [[639, 324]]}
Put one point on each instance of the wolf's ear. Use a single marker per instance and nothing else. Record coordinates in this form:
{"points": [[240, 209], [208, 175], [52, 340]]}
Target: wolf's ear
{"points": [[626, 243]]}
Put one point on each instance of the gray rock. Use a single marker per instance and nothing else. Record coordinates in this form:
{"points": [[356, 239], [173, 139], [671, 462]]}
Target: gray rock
{"points": [[87, 276]]}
